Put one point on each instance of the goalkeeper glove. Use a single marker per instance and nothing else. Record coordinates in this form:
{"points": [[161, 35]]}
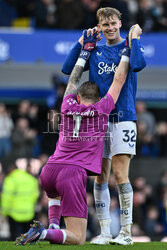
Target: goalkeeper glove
{"points": [[89, 43]]}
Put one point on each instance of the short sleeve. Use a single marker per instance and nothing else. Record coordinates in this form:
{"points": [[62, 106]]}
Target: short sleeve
{"points": [[106, 104], [69, 103]]}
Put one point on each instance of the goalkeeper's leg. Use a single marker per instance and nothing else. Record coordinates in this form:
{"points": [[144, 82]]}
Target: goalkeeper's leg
{"points": [[54, 212], [74, 234]]}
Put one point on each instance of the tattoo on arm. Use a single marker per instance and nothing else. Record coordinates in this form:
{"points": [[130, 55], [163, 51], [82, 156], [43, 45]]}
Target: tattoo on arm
{"points": [[74, 80]]}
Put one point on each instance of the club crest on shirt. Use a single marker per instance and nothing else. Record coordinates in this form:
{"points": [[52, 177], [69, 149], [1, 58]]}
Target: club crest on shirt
{"points": [[120, 53]]}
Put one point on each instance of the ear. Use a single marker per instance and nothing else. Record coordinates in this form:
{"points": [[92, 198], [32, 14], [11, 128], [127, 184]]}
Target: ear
{"points": [[78, 99], [120, 24]]}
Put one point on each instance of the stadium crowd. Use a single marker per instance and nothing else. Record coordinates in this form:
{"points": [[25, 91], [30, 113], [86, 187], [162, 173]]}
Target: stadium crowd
{"points": [[28, 135], [151, 15]]}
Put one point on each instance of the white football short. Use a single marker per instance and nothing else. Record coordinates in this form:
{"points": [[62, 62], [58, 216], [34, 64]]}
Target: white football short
{"points": [[120, 139]]}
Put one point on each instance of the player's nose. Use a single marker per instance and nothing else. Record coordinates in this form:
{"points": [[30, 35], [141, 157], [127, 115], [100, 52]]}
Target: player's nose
{"points": [[110, 26]]}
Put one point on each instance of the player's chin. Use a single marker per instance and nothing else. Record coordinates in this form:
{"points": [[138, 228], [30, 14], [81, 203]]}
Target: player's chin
{"points": [[111, 37]]}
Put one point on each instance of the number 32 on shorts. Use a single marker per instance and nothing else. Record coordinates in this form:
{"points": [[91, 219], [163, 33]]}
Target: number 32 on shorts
{"points": [[129, 136]]}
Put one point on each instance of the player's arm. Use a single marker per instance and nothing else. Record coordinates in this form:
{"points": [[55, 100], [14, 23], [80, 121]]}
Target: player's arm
{"points": [[74, 79], [89, 43], [123, 67], [137, 59], [71, 59], [119, 78]]}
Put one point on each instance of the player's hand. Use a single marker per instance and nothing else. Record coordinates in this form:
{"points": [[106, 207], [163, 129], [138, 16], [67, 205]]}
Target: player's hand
{"points": [[136, 31], [92, 32], [89, 41], [90, 38]]}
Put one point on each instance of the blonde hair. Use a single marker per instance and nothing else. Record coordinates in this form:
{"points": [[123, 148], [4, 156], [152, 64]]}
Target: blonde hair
{"points": [[107, 12]]}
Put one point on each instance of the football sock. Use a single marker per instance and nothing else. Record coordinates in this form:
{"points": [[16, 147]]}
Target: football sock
{"points": [[126, 204], [57, 236], [54, 211], [102, 203], [127, 229]]}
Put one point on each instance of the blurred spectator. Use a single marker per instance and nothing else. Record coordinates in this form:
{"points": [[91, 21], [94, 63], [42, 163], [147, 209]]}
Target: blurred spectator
{"points": [[139, 208], [132, 6], [152, 226], [142, 196], [4, 228], [42, 209], [2, 176], [162, 201], [8, 13], [89, 9], [144, 16], [33, 116], [59, 85], [6, 126], [60, 94], [165, 10], [43, 218], [162, 137], [54, 14], [43, 159], [18, 199], [146, 141], [44, 202], [51, 14], [25, 8], [160, 16], [51, 134], [136, 230], [70, 14], [140, 184], [23, 139], [30, 112], [46, 14], [163, 181], [22, 110]]}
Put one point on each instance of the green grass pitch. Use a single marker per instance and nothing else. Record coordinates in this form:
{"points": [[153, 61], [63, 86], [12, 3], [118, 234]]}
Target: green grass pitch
{"points": [[6, 245]]}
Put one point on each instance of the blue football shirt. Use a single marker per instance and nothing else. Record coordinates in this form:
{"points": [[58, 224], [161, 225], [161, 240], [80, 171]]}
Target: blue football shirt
{"points": [[102, 65]]}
